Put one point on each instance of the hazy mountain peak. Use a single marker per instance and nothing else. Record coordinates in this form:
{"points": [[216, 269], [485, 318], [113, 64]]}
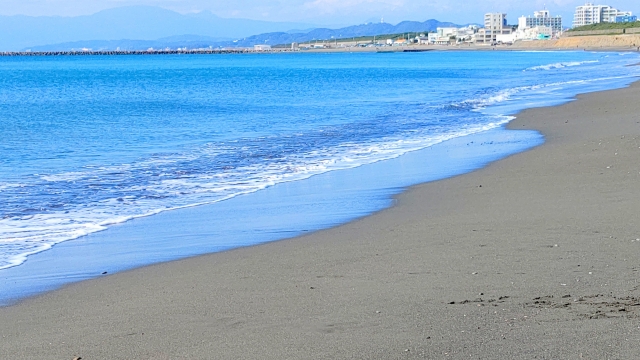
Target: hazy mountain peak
{"points": [[138, 22]]}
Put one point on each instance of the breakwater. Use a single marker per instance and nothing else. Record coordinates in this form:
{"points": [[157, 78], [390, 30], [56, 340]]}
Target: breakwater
{"points": [[136, 52]]}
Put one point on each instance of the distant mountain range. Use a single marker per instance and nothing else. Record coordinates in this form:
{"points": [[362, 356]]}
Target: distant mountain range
{"points": [[133, 22], [271, 38], [346, 32]]}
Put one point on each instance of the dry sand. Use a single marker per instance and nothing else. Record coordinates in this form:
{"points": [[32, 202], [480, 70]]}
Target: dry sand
{"points": [[535, 256], [629, 42]]}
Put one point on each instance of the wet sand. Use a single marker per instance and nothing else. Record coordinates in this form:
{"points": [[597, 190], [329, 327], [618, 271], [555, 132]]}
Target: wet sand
{"points": [[534, 256]]}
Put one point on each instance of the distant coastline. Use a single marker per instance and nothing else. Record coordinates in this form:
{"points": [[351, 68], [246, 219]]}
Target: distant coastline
{"points": [[629, 42]]}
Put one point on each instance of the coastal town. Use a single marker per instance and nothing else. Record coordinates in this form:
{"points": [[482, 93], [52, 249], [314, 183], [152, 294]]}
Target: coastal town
{"points": [[542, 25], [591, 28]]}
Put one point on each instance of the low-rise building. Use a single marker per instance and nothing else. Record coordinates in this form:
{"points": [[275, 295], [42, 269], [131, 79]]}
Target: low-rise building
{"points": [[528, 33], [446, 31], [466, 34], [536, 33], [626, 19], [261, 47], [485, 36], [422, 39], [443, 35]]}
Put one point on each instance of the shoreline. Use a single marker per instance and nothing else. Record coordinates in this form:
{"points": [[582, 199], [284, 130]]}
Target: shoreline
{"points": [[310, 291], [622, 43], [327, 200], [149, 240]]}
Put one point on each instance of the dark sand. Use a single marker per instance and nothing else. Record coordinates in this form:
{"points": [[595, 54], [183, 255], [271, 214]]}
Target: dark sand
{"points": [[535, 256]]}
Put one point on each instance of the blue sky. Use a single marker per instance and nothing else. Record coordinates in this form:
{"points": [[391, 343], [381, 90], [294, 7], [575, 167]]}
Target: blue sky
{"points": [[320, 11]]}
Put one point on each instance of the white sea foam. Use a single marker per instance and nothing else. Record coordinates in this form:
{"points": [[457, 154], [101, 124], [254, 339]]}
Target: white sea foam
{"points": [[482, 102], [31, 234], [560, 65], [7, 186]]}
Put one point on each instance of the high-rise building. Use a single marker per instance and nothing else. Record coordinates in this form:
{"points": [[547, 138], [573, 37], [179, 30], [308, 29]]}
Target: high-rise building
{"points": [[541, 18], [588, 14]]}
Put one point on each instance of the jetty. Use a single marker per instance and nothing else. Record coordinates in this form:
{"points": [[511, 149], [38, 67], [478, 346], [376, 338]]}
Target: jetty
{"points": [[135, 52]]}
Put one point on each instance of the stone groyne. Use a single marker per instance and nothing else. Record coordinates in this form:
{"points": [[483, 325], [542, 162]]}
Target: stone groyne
{"points": [[135, 52]]}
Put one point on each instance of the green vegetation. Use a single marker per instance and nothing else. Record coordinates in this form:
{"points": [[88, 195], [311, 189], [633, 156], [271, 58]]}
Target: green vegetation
{"points": [[607, 26]]}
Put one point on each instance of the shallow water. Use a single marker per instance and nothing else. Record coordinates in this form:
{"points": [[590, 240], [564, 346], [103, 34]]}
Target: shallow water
{"points": [[93, 142]]}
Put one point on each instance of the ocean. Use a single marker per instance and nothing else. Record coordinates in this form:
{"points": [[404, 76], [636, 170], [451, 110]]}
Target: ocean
{"points": [[108, 161]]}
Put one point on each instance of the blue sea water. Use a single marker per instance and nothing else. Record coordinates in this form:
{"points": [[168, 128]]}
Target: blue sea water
{"points": [[91, 142]]}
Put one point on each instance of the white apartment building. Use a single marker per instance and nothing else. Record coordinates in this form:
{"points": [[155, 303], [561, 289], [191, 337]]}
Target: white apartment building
{"points": [[541, 18], [588, 14], [495, 21], [494, 24]]}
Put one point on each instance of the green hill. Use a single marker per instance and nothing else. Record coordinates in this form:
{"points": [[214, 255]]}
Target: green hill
{"points": [[607, 26]]}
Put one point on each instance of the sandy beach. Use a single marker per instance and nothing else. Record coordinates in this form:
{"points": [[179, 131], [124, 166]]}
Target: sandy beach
{"points": [[630, 42], [534, 256]]}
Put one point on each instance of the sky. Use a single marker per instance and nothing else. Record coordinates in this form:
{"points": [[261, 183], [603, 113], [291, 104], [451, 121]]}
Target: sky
{"points": [[322, 12]]}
